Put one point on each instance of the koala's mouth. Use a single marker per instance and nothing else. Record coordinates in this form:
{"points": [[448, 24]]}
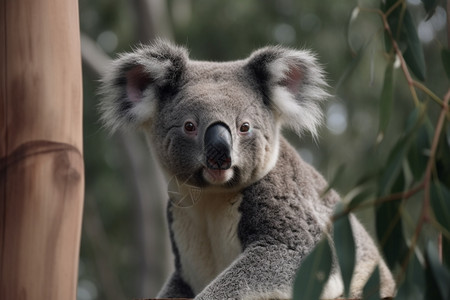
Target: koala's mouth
{"points": [[217, 176]]}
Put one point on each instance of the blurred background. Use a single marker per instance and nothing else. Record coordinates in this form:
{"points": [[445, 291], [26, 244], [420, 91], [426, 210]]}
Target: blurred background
{"points": [[125, 253]]}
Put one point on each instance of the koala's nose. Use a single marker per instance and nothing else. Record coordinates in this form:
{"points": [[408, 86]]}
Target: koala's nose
{"points": [[218, 145]]}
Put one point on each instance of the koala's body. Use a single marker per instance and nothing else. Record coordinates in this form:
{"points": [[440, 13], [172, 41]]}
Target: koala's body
{"points": [[244, 209]]}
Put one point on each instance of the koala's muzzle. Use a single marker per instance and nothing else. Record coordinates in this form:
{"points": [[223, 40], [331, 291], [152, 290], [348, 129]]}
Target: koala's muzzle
{"points": [[218, 145]]}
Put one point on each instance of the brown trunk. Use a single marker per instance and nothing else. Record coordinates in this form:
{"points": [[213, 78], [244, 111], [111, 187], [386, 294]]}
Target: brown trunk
{"points": [[41, 162]]}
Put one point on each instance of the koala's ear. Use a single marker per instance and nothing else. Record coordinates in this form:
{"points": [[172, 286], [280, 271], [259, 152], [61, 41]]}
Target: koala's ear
{"points": [[137, 81], [292, 83]]}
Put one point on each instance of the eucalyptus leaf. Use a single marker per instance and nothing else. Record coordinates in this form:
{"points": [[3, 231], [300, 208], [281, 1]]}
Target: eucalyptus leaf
{"points": [[438, 277], [353, 17], [386, 99], [336, 179], [413, 285], [415, 119], [389, 227], [413, 54], [345, 247], [350, 68], [313, 273], [398, 153], [418, 154], [446, 251], [371, 290], [405, 33], [445, 55], [360, 197], [443, 157], [430, 7], [440, 203], [387, 4], [393, 168]]}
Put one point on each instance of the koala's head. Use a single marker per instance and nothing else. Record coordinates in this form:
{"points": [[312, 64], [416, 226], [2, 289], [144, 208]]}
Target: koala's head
{"points": [[214, 124]]}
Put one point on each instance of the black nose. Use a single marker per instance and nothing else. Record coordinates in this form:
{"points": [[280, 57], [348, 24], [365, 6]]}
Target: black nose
{"points": [[218, 145]]}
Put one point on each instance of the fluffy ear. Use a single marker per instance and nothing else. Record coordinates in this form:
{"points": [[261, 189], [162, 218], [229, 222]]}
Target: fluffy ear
{"points": [[293, 84], [137, 81]]}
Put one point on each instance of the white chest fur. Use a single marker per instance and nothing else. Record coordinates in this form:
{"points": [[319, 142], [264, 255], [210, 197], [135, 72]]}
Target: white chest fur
{"points": [[206, 237]]}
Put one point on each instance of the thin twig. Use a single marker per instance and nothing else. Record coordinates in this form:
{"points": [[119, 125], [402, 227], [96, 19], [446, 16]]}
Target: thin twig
{"points": [[393, 7], [428, 92], [411, 82], [401, 18], [393, 197], [402, 62], [435, 142], [402, 195], [425, 213], [397, 50]]}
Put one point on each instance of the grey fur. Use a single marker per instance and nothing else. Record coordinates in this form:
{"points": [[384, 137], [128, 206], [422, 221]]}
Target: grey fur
{"points": [[254, 222]]}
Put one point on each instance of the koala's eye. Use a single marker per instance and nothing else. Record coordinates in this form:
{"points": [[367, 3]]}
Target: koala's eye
{"points": [[189, 126], [245, 127]]}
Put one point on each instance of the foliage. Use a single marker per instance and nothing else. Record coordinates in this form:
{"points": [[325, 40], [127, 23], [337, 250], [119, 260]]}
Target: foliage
{"points": [[416, 170], [309, 285]]}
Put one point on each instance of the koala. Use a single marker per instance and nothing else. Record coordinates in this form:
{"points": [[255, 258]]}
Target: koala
{"points": [[244, 209]]}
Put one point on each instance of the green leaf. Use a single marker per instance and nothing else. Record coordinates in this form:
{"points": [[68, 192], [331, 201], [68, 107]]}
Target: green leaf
{"points": [[313, 273], [430, 7], [406, 37], [360, 197], [415, 119], [438, 277], [398, 153], [387, 42], [418, 152], [389, 227], [387, 95], [413, 54], [336, 179], [445, 55], [446, 251], [345, 247], [350, 68], [385, 5], [443, 157], [371, 290], [393, 167], [353, 17], [413, 285], [440, 203]]}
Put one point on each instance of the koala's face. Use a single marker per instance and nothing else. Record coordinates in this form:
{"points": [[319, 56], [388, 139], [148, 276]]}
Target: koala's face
{"points": [[211, 124], [216, 130]]}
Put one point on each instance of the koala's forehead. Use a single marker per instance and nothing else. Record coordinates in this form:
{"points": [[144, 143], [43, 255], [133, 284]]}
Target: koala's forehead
{"points": [[203, 70], [225, 85]]}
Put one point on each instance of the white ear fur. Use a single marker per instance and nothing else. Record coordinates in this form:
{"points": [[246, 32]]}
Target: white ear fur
{"points": [[130, 89], [296, 87], [127, 97]]}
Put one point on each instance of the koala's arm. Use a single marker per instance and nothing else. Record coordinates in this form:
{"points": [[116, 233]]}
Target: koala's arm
{"points": [[175, 287], [278, 228], [260, 272]]}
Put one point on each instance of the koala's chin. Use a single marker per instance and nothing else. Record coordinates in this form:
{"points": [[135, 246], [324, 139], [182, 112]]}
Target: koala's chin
{"points": [[217, 177]]}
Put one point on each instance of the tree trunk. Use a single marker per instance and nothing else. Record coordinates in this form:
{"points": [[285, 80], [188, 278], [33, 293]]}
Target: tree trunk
{"points": [[41, 162]]}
